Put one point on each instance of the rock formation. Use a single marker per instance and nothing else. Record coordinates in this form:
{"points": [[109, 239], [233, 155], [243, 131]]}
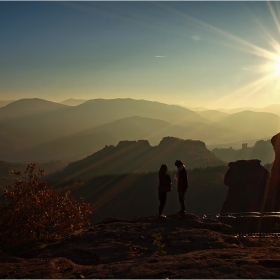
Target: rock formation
{"points": [[140, 156], [273, 190], [261, 150], [247, 181]]}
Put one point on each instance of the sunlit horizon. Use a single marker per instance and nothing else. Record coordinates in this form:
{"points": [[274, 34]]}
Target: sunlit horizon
{"points": [[191, 54]]}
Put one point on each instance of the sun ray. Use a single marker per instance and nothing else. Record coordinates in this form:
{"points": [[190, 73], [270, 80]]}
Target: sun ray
{"points": [[276, 21], [254, 49], [269, 67]]}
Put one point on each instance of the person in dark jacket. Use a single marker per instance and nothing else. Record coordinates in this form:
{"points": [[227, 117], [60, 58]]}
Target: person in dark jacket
{"points": [[182, 177], [163, 187]]}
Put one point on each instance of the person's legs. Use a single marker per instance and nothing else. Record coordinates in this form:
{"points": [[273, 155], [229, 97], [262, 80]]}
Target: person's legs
{"points": [[162, 200], [182, 201]]}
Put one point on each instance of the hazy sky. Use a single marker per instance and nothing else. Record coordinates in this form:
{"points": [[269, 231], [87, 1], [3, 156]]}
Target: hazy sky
{"points": [[212, 54]]}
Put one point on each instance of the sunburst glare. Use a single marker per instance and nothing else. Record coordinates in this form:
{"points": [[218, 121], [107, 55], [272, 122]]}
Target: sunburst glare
{"points": [[264, 74]]}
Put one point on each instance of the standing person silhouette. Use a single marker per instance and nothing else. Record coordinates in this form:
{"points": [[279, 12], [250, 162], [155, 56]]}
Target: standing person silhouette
{"points": [[182, 177], [163, 187]]}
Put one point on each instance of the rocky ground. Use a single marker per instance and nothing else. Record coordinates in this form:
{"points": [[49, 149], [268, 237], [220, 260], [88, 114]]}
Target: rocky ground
{"points": [[122, 248]]}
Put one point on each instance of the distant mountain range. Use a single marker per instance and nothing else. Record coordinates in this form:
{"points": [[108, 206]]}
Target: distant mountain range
{"points": [[212, 115], [253, 123], [23, 125], [28, 107], [139, 156], [73, 102], [83, 143], [40, 130], [273, 108], [5, 102]]}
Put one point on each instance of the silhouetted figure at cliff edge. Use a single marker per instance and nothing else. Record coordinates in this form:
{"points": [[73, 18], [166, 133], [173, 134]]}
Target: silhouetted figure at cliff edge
{"points": [[163, 188], [182, 177]]}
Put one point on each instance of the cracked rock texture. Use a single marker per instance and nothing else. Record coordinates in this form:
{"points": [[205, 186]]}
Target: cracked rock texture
{"points": [[123, 248]]}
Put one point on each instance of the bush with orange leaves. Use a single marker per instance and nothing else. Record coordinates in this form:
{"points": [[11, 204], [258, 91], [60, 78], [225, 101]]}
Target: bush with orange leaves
{"points": [[34, 211]]}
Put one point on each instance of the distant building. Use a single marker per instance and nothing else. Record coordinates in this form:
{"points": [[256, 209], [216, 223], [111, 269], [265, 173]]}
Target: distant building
{"points": [[244, 146]]}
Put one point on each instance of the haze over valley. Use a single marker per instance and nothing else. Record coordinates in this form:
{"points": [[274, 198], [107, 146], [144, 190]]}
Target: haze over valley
{"points": [[100, 137], [40, 130]]}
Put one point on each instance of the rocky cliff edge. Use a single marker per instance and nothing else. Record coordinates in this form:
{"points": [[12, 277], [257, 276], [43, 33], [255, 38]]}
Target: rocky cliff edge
{"points": [[124, 248]]}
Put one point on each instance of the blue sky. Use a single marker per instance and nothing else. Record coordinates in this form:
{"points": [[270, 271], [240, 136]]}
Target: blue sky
{"points": [[211, 54]]}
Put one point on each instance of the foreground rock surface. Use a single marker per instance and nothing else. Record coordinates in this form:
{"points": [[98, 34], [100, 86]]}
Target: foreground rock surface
{"points": [[122, 248]]}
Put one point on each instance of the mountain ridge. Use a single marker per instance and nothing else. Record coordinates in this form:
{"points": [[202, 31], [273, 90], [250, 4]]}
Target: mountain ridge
{"points": [[42, 130], [73, 101], [132, 128], [28, 106], [41, 127], [139, 156]]}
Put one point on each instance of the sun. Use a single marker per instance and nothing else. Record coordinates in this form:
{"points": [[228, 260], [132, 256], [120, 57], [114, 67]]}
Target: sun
{"points": [[277, 66], [263, 71]]}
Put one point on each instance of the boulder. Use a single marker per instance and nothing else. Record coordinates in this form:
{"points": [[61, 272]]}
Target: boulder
{"points": [[247, 181]]}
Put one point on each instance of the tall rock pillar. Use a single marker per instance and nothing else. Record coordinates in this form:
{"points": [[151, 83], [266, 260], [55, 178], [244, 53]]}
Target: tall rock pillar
{"points": [[273, 189], [247, 181]]}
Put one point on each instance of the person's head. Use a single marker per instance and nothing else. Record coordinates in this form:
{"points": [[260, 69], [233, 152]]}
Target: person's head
{"points": [[178, 163], [163, 168]]}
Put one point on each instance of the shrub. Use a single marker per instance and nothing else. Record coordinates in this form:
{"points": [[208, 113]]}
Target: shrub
{"points": [[158, 241], [33, 210]]}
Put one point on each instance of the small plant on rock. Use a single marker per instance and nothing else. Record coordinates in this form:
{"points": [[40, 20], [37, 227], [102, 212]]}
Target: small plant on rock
{"points": [[158, 241]]}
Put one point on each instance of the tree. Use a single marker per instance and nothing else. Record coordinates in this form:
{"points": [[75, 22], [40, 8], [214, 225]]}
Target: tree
{"points": [[34, 211]]}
